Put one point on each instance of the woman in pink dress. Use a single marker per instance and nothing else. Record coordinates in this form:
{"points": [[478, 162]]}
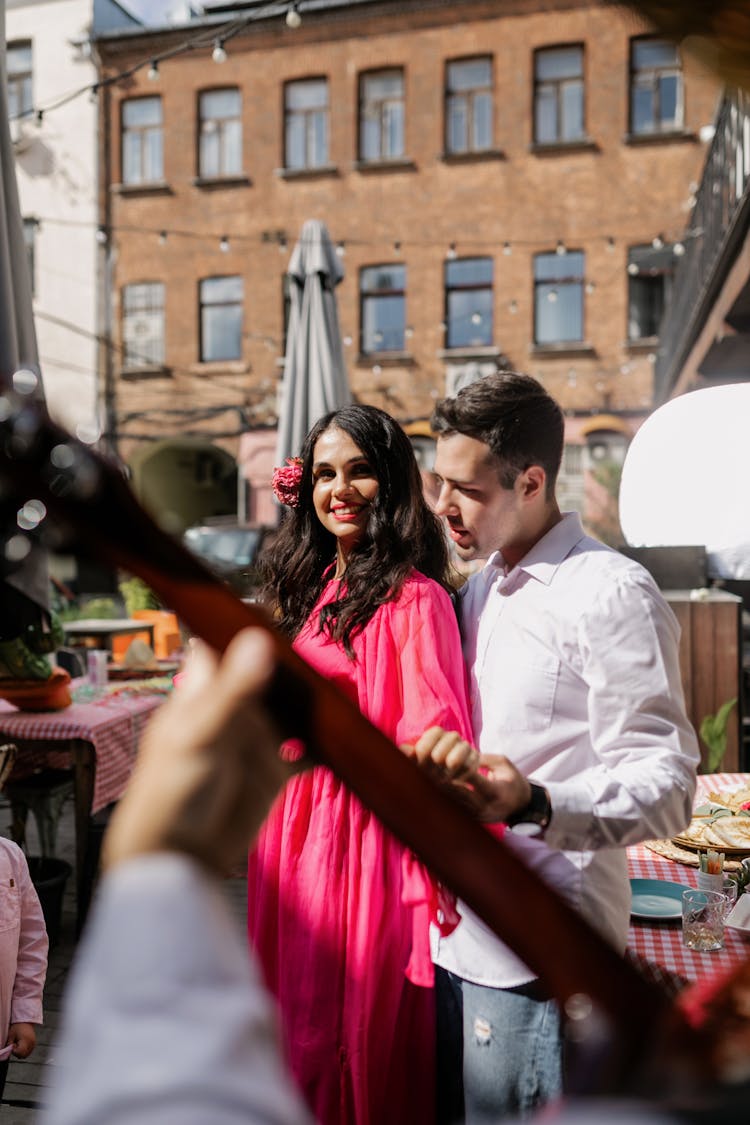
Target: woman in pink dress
{"points": [[338, 909]]}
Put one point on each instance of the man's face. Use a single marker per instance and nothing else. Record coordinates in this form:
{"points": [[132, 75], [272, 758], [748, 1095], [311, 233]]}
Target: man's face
{"points": [[481, 515]]}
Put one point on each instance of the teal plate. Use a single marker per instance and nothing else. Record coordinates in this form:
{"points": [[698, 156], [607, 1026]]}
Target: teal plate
{"points": [[656, 899]]}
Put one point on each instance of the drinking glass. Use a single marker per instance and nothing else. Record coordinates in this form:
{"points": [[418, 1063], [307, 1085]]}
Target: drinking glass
{"points": [[703, 915]]}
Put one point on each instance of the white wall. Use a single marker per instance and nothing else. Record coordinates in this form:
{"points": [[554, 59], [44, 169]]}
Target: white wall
{"points": [[57, 185]]}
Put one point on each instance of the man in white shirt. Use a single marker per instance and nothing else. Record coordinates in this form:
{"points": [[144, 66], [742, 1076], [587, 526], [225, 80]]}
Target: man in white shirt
{"points": [[579, 718]]}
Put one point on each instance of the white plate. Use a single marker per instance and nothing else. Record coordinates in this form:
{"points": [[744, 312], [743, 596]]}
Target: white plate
{"points": [[739, 916]]}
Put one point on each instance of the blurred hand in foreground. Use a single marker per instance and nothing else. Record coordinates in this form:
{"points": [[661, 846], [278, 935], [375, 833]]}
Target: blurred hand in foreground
{"points": [[208, 765]]}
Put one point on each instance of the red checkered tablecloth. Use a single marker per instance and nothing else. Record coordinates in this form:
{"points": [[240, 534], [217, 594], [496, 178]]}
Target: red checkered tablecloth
{"points": [[660, 943], [113, 725]]}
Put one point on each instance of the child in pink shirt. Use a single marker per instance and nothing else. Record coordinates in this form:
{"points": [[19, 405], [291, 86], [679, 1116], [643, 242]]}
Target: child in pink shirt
{"points": [[23, 957]]}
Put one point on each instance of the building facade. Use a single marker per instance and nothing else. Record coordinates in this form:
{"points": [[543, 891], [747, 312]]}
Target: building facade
{"points": [[507, 185], [48, 58]]}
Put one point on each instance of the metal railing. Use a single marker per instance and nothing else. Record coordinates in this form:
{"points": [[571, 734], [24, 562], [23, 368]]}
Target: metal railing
{"points": [[715, 231]]}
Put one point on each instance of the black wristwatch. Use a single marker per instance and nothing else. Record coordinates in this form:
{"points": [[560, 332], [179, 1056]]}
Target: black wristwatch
{"points": [[534, 817]]}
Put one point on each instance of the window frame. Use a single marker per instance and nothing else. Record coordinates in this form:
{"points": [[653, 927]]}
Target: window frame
{"points": [[468, 287], [308, 116], [223, 172], [205, 305], [660, 129], [567, 282], [664, 273], [450, 96], [372, 296], [142, 132], [381, 158], [558, 84], [143, 362], [21, 81]]}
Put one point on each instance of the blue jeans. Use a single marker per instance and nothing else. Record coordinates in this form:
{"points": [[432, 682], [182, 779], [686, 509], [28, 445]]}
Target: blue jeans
{"points": [[505, 1045]]}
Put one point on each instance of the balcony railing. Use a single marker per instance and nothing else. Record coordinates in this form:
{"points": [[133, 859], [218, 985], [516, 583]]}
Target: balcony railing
{"points": [[717, 226]]}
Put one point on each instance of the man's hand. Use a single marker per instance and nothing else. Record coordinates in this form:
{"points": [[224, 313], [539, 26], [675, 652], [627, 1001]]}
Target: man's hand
{"points": [[489, 784], [22, 1038], [208, 766]]}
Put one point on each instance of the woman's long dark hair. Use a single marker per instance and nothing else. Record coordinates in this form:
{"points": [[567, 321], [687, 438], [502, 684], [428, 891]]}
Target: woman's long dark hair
{"points": [[402, 534]]}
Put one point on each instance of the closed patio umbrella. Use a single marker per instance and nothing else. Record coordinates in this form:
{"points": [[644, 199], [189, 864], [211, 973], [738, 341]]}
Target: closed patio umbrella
{"points": [[315, 380], [17, 336]]}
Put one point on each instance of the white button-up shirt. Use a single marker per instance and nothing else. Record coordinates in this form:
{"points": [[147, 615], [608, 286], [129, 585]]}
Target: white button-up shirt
{"points": [[572, 658]]}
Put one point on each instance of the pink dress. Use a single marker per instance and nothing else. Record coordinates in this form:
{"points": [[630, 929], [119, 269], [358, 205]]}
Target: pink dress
{"points": [[338, 910]]}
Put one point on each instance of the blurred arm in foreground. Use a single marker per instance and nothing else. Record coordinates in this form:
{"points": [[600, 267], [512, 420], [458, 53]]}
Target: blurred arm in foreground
{"points": [[166, 1019]]}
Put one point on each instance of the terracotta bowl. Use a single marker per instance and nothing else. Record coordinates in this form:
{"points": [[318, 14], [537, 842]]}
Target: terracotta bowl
{"points": [[38, 695]]}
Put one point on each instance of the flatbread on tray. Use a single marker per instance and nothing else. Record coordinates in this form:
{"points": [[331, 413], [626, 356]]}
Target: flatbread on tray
{"points": [[726, 832]]}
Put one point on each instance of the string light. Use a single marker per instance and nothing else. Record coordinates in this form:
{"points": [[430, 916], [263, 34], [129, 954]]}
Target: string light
{"points": [[507, 249], [340, 249], [101, 236], [552, 296], [451, 251], [162, 238], [224, 244], [560, 248], [218, 54], [293, 18], [678, 249], [153, 71], [657, 242]]}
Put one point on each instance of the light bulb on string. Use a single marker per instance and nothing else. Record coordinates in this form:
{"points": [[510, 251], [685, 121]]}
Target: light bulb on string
{"points": [[101, 236], [162, 238], [678, 249], [293, 19], [224, 244], [560, 248], [513, 307], [657, 242], [633, 269], [451, 251], [476, 318], [153, 71], [507, 249], [552, 296], [218, 54], [610, 243], [39, 118], [340, 249]]}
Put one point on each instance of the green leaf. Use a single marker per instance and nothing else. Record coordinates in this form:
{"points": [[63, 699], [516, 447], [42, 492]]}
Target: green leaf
{"points": [[713, 732]]}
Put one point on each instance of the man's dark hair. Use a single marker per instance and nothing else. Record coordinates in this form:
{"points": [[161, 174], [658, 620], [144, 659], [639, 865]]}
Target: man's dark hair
{"points": [[514, 416]]}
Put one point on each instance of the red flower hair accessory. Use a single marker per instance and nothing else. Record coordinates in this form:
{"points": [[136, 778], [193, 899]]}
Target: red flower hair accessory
{"points": [[286, 481]]}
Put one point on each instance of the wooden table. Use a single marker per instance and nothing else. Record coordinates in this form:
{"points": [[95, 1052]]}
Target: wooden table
{"points": [[658, 945], [102, 630], [98, 737]]}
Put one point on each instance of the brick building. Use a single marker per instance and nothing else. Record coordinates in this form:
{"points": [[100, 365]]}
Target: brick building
{"points": [[507, 184]]}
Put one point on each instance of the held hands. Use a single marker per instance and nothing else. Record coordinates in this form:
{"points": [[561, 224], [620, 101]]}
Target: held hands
{"points": [[22, 1038], [488, 784], [208, 765]]}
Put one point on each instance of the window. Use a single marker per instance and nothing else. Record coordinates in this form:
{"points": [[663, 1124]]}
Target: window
{"points": [[649, 283], [468, 303], [143, 324], [142, 161], [306, 124], [558, 297], [381, 115], [558, 95], [468, 106], [20, 95], [220, 142], [382, 300], [29, 240], [221, 318], [655, 87]]}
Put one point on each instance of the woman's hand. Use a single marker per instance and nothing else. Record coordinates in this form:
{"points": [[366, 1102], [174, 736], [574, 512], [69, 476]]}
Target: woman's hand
{"points": [[22, 1038]]}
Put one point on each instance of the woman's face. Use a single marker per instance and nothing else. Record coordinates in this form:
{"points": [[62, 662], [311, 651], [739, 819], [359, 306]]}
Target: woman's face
{"points": [[344, 487]]}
